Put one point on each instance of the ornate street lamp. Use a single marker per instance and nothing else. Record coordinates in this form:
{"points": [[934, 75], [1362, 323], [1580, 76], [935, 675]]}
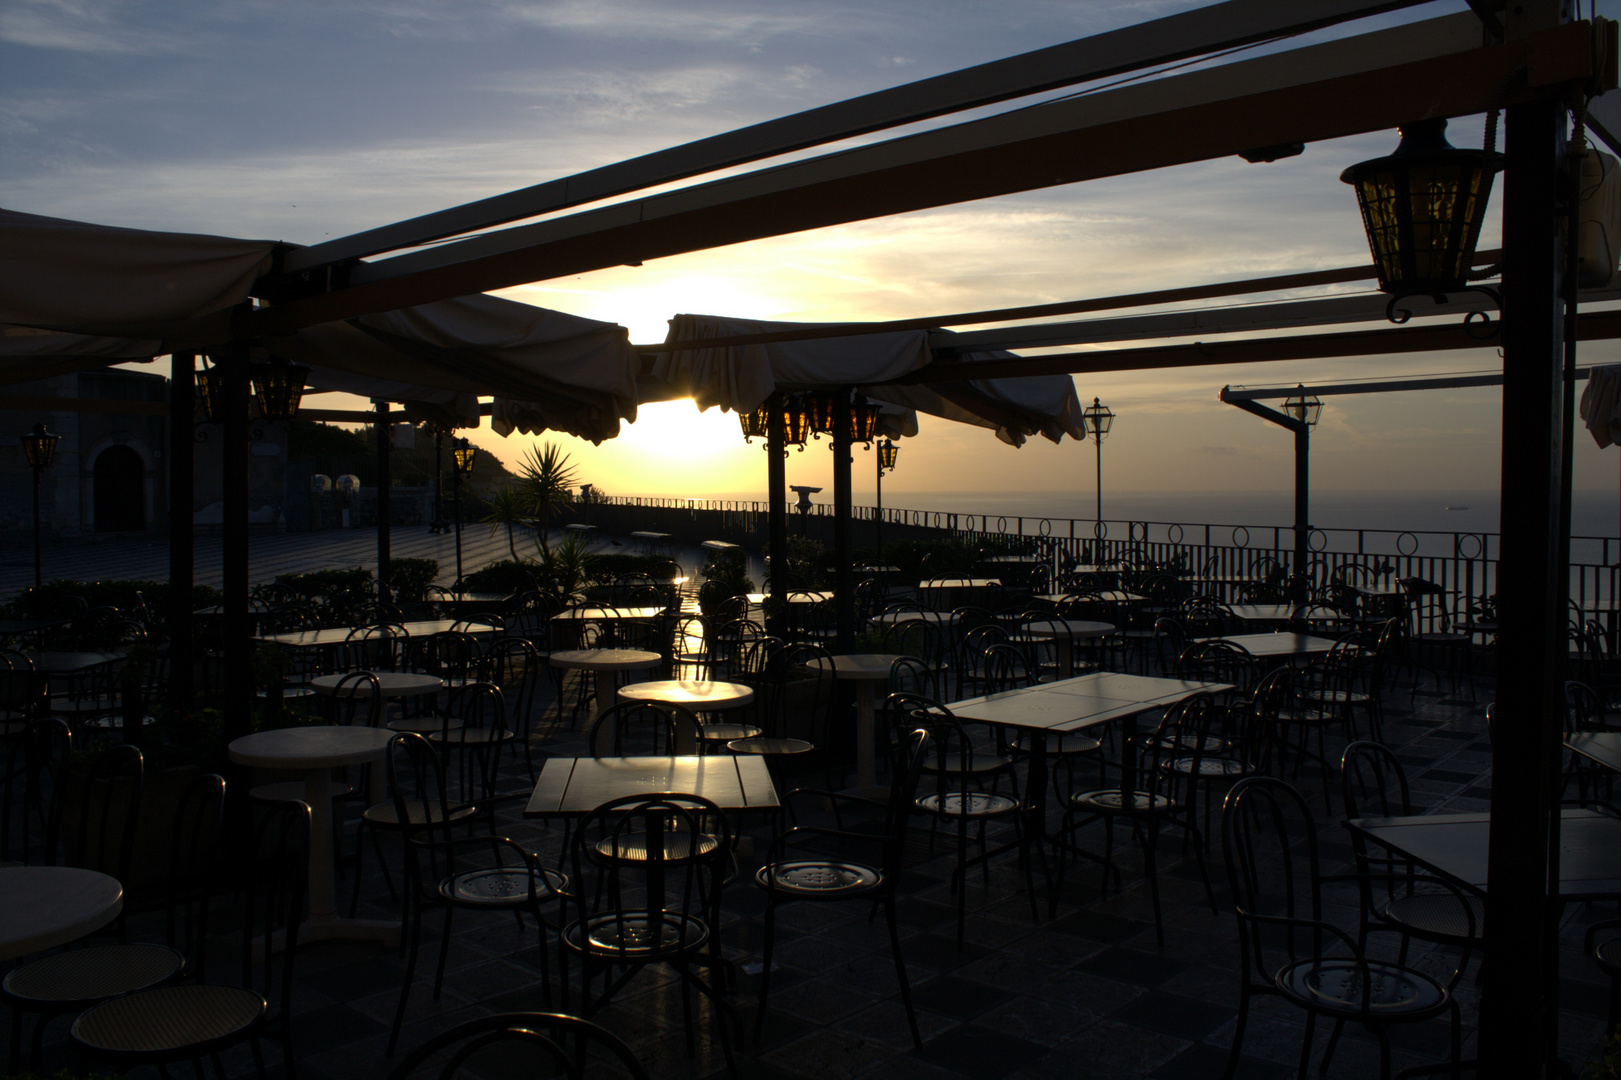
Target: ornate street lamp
{"points": [[887, 453], [1098, 420], [798, 415], [279, 387], [1422, 207], [756, 424], [1307, 408], [823, 407], [864, 416], [40, 447], [461, 460]]}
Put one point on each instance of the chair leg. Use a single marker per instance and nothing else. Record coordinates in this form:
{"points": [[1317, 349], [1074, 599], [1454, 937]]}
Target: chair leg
{"points": [[1238, 1032], [444, 951], [410, 974], [900, 972], [1305, 1045], [1151, 870], [765, 967], [1333, 1043]]}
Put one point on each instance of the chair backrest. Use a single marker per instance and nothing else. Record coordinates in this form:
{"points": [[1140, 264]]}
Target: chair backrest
{"points": [[644, 729], [277, 884], [1584, 709], [523, 1043], [1269, 845], [94, 809], [514, 665], [1170, 639], [799, 686], [1373, 782], [915, 637], [911, 674], [194, 849], [1219, 662], [1007, 667], [636, 861], [358, 697], [375, 647]]}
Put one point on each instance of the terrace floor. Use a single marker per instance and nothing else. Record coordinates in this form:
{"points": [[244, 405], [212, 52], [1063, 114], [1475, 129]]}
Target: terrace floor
{"points": [[1086, 994]]}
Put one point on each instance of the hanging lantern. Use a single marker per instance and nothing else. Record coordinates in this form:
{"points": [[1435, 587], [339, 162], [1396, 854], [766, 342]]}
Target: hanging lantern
{"points": [[279, 386], [823, 407], [797, 417], [40, 447], [463, 455], [1307, 408], [887, 453], [756, 424], [1422, 207], [1098, 419], [211, 392], [863, 420]]}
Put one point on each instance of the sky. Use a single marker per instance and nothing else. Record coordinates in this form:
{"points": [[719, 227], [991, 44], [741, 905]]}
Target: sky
{"points": [[300, 121]]}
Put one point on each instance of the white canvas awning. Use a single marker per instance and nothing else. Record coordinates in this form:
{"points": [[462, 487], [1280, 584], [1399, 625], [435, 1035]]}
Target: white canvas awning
{"points": [[741, 377]]}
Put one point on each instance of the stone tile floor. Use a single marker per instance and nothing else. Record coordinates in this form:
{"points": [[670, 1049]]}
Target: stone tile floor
{"points": [[1087, 993]]}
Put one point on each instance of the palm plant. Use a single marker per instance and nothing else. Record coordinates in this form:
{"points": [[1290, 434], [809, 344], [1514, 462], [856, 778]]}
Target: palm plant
{"points": [[546, 485], [508, 508], [565, 566]]}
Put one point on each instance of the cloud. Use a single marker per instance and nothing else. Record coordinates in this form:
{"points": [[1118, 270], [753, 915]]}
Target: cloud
{"points": [[86, 27]]}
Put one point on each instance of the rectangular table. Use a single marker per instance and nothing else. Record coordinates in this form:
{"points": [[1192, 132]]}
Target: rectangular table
{"points": [[1276, 646], [1453, 846], [570, 787], [337, 635], [1603, 747]]}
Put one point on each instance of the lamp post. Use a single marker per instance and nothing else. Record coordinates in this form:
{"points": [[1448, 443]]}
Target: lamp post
{"points": [[40, 446], [887, 453], [1099, 419], [461, 459], [1305, 410]]}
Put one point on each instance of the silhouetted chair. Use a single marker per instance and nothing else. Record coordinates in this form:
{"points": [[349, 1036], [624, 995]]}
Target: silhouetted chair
{"points": [[189, 1021], [1287, 950]]}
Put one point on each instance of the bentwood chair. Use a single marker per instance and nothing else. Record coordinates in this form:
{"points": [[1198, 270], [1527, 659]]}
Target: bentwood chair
{"points": [[191, 1021], [73, 980], [865, 864], [1287, 949]]}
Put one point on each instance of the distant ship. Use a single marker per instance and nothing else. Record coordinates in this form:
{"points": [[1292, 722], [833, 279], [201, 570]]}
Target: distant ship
{"points": [[1455, 508]]}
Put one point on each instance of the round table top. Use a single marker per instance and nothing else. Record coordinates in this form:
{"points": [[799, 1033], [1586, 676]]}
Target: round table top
{"points": [[861, 665], [696, 694], [315, 747], [390, 683], [47, 906], [1081, 628], [606, 659], [938, 618]]}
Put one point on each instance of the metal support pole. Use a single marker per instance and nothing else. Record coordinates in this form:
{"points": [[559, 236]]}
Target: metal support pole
{"points": [[438, 525], [1519, 1001], [456, 510], [182, 541], [1097, 529], [233, 358], [878, 515], [384, 484], [844, 600], [38, 571], [776, 451], [1302, 514]]}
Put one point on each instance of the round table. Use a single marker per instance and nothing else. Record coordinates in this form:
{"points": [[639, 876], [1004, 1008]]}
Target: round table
{"points": [[390, 684], [864, 669], [314, 752], [699, 696], [47, 906], [936, 618], [606, 663], [1066, 631]]}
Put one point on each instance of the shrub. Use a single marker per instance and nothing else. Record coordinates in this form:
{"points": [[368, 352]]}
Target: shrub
{"points": [[338, 594], [52, 600], [410, 578], [505, 576]]}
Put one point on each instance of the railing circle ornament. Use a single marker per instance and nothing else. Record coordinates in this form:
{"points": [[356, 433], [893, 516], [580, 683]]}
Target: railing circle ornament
{"points": [[1044, 527], [1407, 544], [1243, 543], [1464, 541], [1100, 530], [1134, 535], [1001, 524], [1173, 534], [1317, 540], [937, 519]]}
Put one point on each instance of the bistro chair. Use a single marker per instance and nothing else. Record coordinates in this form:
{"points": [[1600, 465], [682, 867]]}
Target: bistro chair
{"points": [[470, 873], [1396, 895], [1287, 950], [73, 980], [94, 806], [190, 1021], [647, 879], [1145, 797], [865, 865], [515, 667], [644, 729], [524, 1043]]}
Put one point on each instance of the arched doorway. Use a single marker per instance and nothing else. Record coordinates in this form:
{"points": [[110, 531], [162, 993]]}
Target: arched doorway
{"points": [[120, 489]]}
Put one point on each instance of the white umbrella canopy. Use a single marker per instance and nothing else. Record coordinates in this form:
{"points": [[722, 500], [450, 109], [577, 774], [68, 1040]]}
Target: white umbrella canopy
{"points": [[741, 377]]}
